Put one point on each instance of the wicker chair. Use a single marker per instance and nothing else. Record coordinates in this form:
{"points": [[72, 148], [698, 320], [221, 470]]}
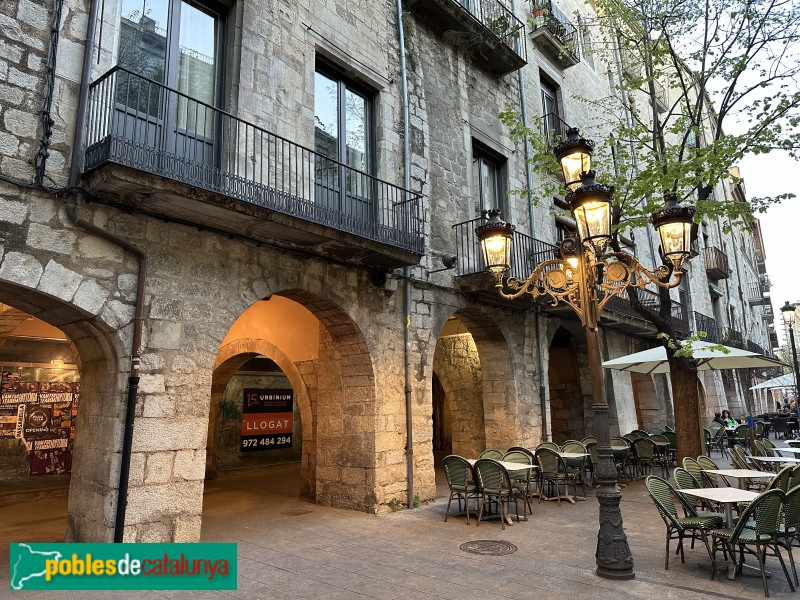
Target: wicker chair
{"points": [[789, 530], [522, 480], [684, 480], [591, 448], [550, 445], [552, 470], [765, 510], [588, 440], [655, 431], [461, 481], [742, 435], [576, 467], [492, 453], [696, 470], [678, 528], [719, 441], [795, 478], [645, 454], [706, 463], [621, 449], [495, 484]]}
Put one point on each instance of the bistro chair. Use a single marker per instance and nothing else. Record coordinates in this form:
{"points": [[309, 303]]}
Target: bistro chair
{"points": [[789, 530], [770, 447], [620, 448], [550, 445], [655, 431], [461, 481], [678, 528], [719, 441], [591, 448], [765, 511], [780, 426], [665, 449], [552, 471], [668, 429], [684, 480], [521, 481], [759, 432], [492, 453], [781, 480], [794, 480], [694, 467], [645, 455], [793, 443], [525, 450], [495, 484], [576, 467], [589, 439], [706, 463], [673, 445], [760, 448], [741, 435]]}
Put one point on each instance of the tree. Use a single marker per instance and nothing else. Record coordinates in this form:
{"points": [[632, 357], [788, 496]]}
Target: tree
{"points": [[696, 87]]}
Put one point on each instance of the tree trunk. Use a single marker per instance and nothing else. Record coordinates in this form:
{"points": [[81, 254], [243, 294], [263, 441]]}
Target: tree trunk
{"points": [[686, 402]]}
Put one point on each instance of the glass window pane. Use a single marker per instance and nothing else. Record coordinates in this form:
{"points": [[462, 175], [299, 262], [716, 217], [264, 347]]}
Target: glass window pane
{"points": [[326, 116], [143, 37], [476, 184], [489, 185], [356, 130], [197, 69]]}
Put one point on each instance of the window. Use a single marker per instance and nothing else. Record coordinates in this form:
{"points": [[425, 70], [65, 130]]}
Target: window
{"points": [[551, 114], [487, 179], [586, 42], [344, 133], [176, 44]]}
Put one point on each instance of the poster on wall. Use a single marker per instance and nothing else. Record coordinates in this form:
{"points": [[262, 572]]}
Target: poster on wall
{"points": [[12, 419], [267, 419]]}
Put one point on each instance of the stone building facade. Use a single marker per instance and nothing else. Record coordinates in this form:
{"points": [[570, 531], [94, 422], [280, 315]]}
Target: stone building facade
{"points": [[252, 242]]}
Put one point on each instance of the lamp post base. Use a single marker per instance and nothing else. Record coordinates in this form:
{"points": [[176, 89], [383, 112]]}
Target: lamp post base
{"points": [[614, 558]]}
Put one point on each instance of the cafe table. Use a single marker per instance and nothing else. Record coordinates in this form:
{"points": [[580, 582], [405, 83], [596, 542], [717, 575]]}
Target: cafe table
{"points": [[786, 449], [727, 496], [772, 460], [740, 474]]}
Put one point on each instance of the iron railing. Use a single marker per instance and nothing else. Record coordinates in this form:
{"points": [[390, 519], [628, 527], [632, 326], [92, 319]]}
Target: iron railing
{"points": [[708, 324], [755, 293], [651, 300], [731, 337], [716, 262], [757, 348], [526, 252], [546, 14], [500, 21], [554, 128], [140, 123], [661, 96]]}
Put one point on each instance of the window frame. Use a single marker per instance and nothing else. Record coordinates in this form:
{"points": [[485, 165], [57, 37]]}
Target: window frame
{"points": [[370, 95], [481, 154]]}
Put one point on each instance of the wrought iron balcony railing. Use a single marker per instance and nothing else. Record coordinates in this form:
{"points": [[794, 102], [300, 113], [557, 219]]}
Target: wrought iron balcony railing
{"points": [[494, 35], [661, 96], [554, 129], [527, 252], [652, 301], [139, 123], [708, 325], [755, 294], [554, 32], [716, 263], [731, 337], [757, 348]]}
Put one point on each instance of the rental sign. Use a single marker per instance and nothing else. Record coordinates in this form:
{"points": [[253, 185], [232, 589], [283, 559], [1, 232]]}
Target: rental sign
{"points": [[267, 419]]}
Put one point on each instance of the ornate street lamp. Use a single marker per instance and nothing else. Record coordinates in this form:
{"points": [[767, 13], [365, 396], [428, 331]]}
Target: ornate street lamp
{"points": [[574, 155], [787, 312], [586, 277], [675, 226], [591, 206]]}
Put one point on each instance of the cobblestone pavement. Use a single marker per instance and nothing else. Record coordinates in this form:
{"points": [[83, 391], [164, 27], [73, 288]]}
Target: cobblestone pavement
{"points": [[291, 549]]}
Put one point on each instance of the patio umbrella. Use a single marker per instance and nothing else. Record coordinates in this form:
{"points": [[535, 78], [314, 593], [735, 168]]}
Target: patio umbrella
{"points": [[706, 356], [784, 381]]}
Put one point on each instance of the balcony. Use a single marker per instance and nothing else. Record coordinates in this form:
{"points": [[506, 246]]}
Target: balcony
{"points": [[716, 263], [554, 34], [731, 337], [527, 252], [161, 152], [754, 347], [755, 294], [662, 104], [768, 315], [708, 325], [490, 31], [620, 311]]}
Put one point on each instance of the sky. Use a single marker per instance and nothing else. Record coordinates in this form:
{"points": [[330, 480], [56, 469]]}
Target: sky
{"points": [[768, 175]]}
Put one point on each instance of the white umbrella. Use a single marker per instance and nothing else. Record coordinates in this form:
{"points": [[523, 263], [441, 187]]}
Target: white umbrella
{"points": [[784, 381], [707, 355]]}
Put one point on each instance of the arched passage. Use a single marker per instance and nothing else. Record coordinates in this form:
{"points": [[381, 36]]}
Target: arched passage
{"points": [[326, 359], [98, 427], [567, 406], [473, 366]]}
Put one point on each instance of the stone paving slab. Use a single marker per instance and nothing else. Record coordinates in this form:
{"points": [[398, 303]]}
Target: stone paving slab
{"points": [[291, 549]]}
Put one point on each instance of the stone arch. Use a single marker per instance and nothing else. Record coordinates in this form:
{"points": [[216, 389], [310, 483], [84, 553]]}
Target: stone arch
{"points": [[567, 405], [339, 407], [483, 387], [98, 438], [230, 359]]}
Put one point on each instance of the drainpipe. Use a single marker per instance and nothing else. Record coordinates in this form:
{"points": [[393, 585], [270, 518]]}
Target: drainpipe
{"points": [[406, 270], [71, 209], [532, 219]]}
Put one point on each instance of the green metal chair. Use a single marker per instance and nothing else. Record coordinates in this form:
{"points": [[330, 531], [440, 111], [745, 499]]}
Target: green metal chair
{"points": [[645, 454], [719, 440], [591, 448], [461, 481], [759, 432], [795, 478], [706, 463], [495, 484], [741, 435], [550, 445], [655, 431], [588, 440], [678, 528], [789, 530], [492, 453], [576, 467], [623, 458], [521, 480], [769, 446], [552, 471], [765, 511], [696, 470], [673, 445], [684, 480], [525, 450]]}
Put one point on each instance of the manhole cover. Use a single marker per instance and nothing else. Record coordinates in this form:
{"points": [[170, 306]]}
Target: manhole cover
{"points": [[296, 513], [488, 547]]}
